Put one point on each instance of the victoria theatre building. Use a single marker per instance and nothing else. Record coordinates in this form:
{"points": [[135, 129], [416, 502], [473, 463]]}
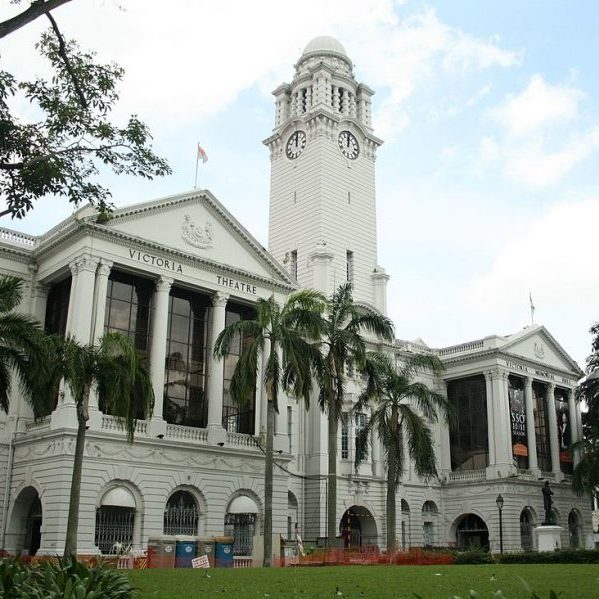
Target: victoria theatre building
{"points": [[170, 274]]}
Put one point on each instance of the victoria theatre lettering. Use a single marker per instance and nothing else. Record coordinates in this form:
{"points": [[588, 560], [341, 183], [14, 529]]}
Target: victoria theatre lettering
{"points": [[238, 285], [155, 261]]}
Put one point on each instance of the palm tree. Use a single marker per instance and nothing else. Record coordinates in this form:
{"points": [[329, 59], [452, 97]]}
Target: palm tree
{"points": [[124, 388], [400, 408], [21, 347], [287, 336], [342, 341]]}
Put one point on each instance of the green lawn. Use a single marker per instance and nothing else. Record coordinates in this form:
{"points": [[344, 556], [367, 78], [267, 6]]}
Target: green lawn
{"points": [[397, 582]]}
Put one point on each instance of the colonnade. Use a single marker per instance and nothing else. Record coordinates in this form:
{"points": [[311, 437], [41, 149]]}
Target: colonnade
{"points": [[85, 323]]}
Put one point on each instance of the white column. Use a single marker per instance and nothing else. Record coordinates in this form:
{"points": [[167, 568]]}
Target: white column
{"points": [[281, 440], [263, 397], [39, 299], [552, 424], [79, 325], [216, 432], [158, 351], [379, 287], [503, 434], [99, 315], [573, 416], [444, 456], [490, 420], [531, 437], [376, 454]]}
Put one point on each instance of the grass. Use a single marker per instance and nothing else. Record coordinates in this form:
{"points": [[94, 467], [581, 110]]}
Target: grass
{"points": [[574, 581]]}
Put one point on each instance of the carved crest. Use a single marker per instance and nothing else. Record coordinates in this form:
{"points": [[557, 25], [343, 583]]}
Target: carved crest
{"points": [[539, 350], [198, 236]]}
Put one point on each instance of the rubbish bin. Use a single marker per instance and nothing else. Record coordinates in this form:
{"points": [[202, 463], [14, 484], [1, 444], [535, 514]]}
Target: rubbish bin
{"points": [[223, 552], [184, 553], [154, 546], [206, 547], [167, 553]]}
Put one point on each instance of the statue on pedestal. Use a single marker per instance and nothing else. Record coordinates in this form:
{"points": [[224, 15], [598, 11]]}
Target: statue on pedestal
{"points": [[547, 502]]}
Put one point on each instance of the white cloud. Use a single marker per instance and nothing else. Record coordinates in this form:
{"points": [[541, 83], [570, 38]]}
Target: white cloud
{"points": [[536, 166], [539, 105], [555, 259]]}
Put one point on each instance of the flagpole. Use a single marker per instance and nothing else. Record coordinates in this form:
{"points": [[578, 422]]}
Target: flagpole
{"points": [[195, 182]]}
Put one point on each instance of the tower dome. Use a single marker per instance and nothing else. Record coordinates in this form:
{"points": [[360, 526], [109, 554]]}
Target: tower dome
{"points": [[324, 44]]}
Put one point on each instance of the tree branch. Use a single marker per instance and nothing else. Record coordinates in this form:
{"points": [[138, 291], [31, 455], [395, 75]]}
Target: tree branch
{"points": [[62, 52], [37, 9]]}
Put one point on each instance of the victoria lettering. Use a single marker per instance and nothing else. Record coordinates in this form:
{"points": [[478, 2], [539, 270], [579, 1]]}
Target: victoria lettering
{"points": [[238, 285], [155, 261]]}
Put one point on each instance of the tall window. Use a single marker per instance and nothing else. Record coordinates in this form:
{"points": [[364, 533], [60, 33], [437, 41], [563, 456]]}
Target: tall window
{"points": [[541, 427], [360, 422], [293, 264], [57, 307], [350, 266], [181, 515], [290, 427], [184, 393], [128, 302], [468, 435], [344, 436], [238, 417], [563, 430]]}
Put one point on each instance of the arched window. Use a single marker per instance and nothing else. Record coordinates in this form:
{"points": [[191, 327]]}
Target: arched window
{"points": [[526, 526], [114, 521], [181, 514], [574, 528], [240, 523], [429, 516], [405, 524]]}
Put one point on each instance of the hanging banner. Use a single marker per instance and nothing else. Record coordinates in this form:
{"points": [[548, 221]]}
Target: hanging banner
{"points": [[518, 419], [562, 415]]}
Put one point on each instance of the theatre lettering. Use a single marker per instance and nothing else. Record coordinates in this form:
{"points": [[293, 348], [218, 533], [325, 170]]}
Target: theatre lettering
{"points": [[237, 285], [155, 261]]}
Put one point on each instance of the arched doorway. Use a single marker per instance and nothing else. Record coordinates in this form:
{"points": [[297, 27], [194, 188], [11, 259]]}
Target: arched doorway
{"points": [[574, 528], [240, 523], [526, 527], [471, 531], [23, 533], [358, 528], [430, 514], [292, 515], [115, 521], [181, 514], [406, 531]]}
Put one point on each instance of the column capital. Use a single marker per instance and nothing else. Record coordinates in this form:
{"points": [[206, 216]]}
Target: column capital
{"points": [[550, 388], [527, 380], [40, 290], [220, 299], [164, 284], [498, 373], [85, 262], [104, 267]]}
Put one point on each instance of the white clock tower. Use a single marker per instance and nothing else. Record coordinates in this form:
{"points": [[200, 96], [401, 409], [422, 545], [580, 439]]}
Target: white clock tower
{"points": [[322, 198]]}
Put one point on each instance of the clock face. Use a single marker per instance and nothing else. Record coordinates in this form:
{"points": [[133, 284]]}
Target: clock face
{"points": [[295, 144], [348, 145]]}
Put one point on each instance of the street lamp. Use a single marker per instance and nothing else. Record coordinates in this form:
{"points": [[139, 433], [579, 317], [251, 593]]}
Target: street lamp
{"points": [[499, 502]]}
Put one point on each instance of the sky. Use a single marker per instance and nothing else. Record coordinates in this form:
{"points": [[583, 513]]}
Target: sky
{"points": [[486, 183]]}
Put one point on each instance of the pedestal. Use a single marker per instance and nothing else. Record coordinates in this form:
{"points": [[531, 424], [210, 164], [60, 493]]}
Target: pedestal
{"points": [[548, 538]]}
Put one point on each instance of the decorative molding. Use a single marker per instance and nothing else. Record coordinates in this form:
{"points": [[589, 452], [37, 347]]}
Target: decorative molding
{"points": [[539, 350], [164, 284], [104, 267], [82, 263], [197, 236]]}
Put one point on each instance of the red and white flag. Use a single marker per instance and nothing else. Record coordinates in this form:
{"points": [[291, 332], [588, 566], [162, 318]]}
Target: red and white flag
{"points": [[202, 154]]}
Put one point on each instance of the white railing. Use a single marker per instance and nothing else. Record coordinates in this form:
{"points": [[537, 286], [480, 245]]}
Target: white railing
{"points": [[242, 561], [186, 433], [16, 237], [468, 475], [463, 347], [241, 440], [39, 424], [113, 423]]}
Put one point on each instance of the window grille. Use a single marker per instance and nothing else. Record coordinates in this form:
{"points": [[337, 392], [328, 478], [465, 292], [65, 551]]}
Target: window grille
{"points": [[350, 266], [360, 422], [114, 528], [181, 515], [241, 527], [290, 427], [293, 264]]}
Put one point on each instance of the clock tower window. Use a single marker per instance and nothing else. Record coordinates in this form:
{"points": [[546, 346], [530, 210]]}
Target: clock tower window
{"points": [[350, 266]]}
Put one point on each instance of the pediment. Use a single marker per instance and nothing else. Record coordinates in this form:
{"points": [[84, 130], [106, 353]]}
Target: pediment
{"points": [[198, 225], [535, 343]]}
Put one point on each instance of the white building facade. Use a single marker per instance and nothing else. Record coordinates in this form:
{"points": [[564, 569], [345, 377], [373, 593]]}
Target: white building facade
{"points": [[172, 273]]}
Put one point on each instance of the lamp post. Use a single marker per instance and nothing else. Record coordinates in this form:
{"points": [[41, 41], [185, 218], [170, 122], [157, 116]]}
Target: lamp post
{"points": [[499, 502]]}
